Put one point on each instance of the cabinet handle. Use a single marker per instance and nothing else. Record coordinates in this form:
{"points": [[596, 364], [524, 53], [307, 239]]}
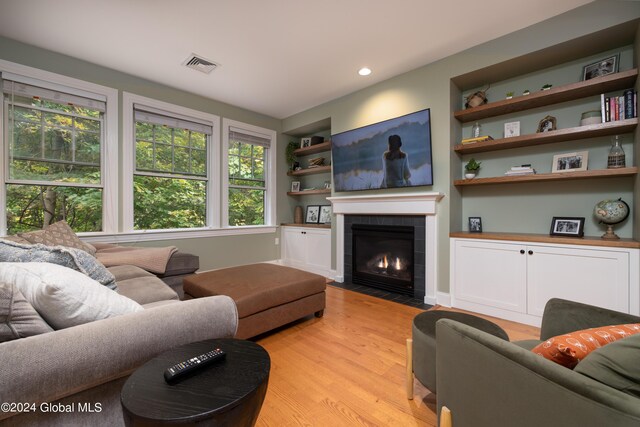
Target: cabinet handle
{"points": [[530, 252], [522, 251]]}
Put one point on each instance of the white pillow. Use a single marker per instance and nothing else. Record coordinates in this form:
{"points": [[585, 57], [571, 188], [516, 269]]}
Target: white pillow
{"points": [[62, 296]]}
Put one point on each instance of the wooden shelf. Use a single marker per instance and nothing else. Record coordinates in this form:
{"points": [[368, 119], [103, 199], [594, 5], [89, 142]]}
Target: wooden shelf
{"points": [[545, 238], [596, 86], [309, 192], [314, 149], [597, 173], [306, 225], [310, 171], [569, 134]]}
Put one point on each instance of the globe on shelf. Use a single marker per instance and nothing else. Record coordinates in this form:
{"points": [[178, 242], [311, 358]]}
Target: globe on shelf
{"points": [[611, 212]]}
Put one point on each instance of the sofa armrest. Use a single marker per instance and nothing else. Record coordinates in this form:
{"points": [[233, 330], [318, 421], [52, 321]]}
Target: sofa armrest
{"points": [[563, 316], [50, 366], [488, 382]]}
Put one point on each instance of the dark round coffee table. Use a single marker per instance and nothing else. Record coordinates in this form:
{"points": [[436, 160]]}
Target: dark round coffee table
{"points": [[229, 392]]}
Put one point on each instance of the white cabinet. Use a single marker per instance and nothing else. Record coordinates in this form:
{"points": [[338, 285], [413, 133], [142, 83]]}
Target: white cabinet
{"points": [[307, 249], [514, 280]]}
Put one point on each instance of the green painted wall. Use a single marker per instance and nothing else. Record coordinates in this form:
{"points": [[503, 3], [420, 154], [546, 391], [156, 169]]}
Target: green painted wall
{"points": [[431, 87], [214, 252]]}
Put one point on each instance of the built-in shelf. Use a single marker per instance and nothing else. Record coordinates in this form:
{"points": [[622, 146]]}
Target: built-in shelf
{"points": [[595, 86], [596, 173], [560, 135], [310, 171], [309, 192], [306, 225], [314, 149], [545, 238]]}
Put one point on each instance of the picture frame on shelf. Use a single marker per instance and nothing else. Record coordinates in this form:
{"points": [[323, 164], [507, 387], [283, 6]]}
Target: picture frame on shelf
{"points": [[547, 124], [295, 186], [570, 162], [325, 214], [602, 67], [305, 142], [475, 224], [567, 226], [327, 185], [511, 129], [312, 214]]}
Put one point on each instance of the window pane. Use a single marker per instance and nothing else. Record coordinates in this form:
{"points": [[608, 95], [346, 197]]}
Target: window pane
{"points": [[144, 155], [163, 134], [181, 137], [246, 207], [181, 160], [164, 158], [58, 144], [199, 162], [26, 140], [144, 131], [80, 207], [198, 140], [163, 203], [88, 147]]}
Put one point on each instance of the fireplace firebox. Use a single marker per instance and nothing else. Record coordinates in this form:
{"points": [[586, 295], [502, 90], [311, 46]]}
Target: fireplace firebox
{"points": [[383, 257]]}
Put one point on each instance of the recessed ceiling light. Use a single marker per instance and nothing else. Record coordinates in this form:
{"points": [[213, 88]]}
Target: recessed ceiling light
{"points": [[364, 71]]}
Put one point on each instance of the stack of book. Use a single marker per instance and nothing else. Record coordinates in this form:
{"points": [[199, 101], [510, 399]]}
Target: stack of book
{"points": [[476, 139], [520, 170], [615, 108]]}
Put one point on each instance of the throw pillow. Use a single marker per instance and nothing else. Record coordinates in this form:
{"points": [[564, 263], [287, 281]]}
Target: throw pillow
{"points": [[616, 365], [69, 257], [58, 234], [18, 319], [17, 239], [62, 296], [567, 350]]}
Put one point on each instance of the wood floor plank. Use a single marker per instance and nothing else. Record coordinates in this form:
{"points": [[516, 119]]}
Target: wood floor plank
{"points": [[348, 367]]}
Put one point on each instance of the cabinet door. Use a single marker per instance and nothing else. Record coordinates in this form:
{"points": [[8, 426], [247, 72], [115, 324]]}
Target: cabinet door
{"points": [[293, 245], [491, 274], [597, 277], [319, 249]]}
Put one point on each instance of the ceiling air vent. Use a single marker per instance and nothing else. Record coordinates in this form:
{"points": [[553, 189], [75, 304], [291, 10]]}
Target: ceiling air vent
{"points": [[199, 63]]}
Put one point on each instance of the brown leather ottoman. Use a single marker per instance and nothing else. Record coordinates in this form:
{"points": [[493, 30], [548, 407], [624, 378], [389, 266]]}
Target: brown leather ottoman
{"points": [[267, 295]]}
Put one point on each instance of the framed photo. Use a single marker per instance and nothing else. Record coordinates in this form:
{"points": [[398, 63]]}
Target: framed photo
{"points": [[312, 215], [570, 162], [295, 186], [601, 68], [305, 142], [567, 226], [475, 224], [325, 214], [511, 129], [327, 185], [547, 124]]}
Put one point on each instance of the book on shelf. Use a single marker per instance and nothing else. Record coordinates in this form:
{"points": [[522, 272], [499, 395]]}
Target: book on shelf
{"points": [[520, 170], [614, 108], [476, 139]]}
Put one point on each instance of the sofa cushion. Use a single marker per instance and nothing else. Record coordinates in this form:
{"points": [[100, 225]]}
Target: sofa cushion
{"points": [[616, 365], [181, 263], [68, 257], [568, 349], [62, 296], [59, 234], [125, 272], [146, 289], [18, 319]]}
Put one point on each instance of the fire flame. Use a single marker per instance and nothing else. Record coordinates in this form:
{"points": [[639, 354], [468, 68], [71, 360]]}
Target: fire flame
{"points": [[383, 263]]}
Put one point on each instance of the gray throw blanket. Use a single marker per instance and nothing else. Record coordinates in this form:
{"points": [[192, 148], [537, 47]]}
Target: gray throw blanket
{"points": [[153, 260]]}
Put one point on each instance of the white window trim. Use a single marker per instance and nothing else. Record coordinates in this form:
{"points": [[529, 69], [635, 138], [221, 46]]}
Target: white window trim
{"points": [[128, 160], [109, 153], [270, 172]]}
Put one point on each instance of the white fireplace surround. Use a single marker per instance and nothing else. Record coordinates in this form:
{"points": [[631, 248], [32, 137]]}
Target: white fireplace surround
{"points": [[393, 204]]}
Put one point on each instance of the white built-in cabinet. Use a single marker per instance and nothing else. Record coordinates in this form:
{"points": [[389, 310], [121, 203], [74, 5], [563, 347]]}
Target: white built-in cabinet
{"points": [[514, 280], [307, 249]]}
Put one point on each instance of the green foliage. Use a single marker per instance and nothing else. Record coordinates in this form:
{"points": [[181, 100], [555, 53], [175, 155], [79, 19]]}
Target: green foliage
{"points": [[291, 147], [472, 166]]}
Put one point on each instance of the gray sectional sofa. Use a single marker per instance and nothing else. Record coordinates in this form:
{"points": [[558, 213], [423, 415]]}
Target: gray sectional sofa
{"points": [[85, 366]]}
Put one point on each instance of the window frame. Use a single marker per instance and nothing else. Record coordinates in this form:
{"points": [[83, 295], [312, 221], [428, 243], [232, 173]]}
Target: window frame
{"points": [[269, 170], [108, 148]]}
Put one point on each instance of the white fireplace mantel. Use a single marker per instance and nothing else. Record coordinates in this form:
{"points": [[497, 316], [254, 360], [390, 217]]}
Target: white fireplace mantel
{"points": [[392, 204]]}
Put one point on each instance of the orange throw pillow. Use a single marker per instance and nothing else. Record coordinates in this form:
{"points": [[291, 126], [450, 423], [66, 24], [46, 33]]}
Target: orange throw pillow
{"points": [[567, 350]]}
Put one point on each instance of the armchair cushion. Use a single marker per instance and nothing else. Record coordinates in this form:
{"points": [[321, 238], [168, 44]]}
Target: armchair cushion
{"points": [[616, 365], [62, 296], [568, 349]]}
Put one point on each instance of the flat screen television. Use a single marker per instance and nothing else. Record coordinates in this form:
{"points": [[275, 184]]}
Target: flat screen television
{"points": [[390, 154]]}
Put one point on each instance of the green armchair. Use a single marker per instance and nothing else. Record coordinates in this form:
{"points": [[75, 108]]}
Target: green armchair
{"points": [[487, 381]]}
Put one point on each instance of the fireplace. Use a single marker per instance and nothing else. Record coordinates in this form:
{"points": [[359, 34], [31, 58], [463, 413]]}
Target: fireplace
{"points": [[383, 257]]}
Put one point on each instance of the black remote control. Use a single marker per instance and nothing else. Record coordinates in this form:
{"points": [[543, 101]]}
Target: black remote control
{"points": [[181, 369]]}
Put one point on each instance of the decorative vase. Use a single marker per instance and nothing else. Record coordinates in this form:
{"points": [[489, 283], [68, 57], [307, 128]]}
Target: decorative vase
{"points": [[616, 155], [475, 130], [470, 175], [297, 215]]}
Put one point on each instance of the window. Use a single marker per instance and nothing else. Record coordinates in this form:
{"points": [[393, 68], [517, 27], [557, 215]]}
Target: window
{"points": [[172, 181], [54, 163], [249, 184]]}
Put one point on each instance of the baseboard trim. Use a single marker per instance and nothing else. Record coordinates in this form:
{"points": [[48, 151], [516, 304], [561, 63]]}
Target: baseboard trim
{"points": [[444, 298]]}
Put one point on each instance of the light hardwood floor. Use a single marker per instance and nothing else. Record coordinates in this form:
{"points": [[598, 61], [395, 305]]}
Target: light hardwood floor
{"points": [[348, 367]]}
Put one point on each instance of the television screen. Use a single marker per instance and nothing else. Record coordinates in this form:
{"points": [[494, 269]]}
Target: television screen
{"points": [[393, 153]]}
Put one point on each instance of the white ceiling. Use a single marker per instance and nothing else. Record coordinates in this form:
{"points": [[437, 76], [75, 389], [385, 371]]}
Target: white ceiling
{"points": [[277, 57]]}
